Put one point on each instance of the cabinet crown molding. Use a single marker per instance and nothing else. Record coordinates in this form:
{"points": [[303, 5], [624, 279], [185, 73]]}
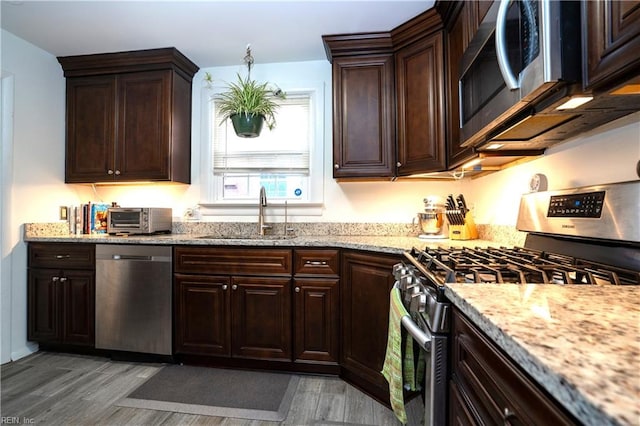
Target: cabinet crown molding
{"points": [[385, 42], [359, 44], [129, 61]]}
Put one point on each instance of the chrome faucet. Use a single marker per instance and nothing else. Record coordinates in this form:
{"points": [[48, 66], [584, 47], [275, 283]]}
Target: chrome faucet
{"points": [[262, 203]]}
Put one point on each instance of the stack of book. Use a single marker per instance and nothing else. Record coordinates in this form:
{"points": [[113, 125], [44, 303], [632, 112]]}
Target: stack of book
{"points": [[89, 218]]}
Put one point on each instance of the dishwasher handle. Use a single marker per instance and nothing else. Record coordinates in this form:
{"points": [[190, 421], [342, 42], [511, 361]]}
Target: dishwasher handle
{"points": [[142, 258]]}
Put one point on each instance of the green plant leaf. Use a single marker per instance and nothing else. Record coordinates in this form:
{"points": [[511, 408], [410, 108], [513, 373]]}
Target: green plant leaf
{"points": [[246, 96]]}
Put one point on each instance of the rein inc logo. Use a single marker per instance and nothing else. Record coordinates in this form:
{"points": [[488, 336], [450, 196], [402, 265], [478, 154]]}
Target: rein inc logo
{"points": [[15, 420]]}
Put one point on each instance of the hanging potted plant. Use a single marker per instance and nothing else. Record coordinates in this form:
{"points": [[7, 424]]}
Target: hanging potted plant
{"points": [[248, 103]]}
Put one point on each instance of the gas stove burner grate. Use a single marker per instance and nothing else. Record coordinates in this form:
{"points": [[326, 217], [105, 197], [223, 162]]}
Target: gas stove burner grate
{"points": [[517, 265]]}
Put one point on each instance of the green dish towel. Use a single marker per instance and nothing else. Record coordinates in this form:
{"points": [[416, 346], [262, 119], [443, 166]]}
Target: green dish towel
{"points": [[392, 369]]}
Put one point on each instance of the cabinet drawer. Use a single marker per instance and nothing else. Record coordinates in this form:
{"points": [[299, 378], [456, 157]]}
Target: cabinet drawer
{"points": [[232, 261], [499, 392], [62, 255], [316, 262]]}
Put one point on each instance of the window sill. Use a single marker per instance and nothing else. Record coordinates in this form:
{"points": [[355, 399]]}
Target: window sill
{"points": [[272, 209]]}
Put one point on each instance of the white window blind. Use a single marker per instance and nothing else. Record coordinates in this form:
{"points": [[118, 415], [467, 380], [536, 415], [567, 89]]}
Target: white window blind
{"points": [[285, 149]]}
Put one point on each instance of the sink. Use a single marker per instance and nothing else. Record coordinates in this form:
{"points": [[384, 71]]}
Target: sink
{"points": [[245, 237]]}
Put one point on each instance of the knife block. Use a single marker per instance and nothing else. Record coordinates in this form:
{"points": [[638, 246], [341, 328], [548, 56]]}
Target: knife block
{"points": [[467, 231]]}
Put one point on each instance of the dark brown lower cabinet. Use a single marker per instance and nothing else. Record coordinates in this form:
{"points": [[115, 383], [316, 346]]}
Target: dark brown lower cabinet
{"points": [[486, 387], [61, 294], [203, 317], [261, 318], [316, 320], [61, 307], [366, 283], [233, 316]]}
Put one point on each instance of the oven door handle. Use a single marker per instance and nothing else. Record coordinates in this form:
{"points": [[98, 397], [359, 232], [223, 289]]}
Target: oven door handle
{"points": [[422, 337]]}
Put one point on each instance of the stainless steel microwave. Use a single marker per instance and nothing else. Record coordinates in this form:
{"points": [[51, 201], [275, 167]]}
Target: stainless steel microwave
{"points": [[522, 53], [139, 220]]}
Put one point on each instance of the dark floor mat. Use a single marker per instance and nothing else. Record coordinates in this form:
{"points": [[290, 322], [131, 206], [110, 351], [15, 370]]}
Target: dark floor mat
{"points": [[216, 392]]}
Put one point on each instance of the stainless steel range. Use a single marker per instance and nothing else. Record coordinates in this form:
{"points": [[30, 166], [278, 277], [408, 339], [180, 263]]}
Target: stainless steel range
{"points": [[584, 236]]}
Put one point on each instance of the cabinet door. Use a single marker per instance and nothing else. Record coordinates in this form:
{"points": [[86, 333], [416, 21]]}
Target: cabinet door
{"points": [[612, 40], [459, 412], [142, 151], [491, 387], [363, 117], [366, 284], [44, 305], [420, 100], [91, 114], [202, 315], [78, 313], [261, 317], [316, 320]]}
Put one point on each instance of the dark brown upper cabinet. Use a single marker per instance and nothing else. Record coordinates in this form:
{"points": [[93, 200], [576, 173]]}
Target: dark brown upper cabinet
{"points": [[420, 97], [363, 105], [388, 100], [611, 41], [128, 116]]}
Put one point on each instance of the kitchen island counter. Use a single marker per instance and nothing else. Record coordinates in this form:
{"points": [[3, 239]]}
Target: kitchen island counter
{"points": [[581, 343]]}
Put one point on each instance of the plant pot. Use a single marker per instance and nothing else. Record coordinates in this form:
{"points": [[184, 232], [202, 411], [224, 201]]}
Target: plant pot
{"points": [[247, 125]]}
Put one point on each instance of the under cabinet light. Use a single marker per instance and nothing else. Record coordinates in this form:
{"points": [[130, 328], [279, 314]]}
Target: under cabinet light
{"points": [[494, 146], [575, 102], [629, 89], [471, 163]]}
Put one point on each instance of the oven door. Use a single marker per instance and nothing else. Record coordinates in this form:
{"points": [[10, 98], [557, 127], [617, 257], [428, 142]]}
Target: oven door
{"points": [[434, 348], [502, 65]]}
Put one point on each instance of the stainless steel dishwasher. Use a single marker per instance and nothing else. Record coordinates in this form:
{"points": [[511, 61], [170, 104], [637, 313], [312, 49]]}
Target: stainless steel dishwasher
{"points": [[133, 298]]}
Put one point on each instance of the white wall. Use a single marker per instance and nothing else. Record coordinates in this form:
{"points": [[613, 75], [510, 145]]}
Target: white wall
{"points": [[6, 178], [37, 182], [606, 155]]}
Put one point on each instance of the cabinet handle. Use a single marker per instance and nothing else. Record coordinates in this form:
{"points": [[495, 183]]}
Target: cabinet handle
{"points": [[63, 279], [234, 287], [224, 287], [336, 166], [399, 164], [508, 414], [316, 262], [63, 256], [109, 172], [117, 172], [55, 279], [297, 289]]}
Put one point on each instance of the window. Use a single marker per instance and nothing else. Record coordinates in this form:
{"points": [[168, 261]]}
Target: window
{"points": [[287, 160]]}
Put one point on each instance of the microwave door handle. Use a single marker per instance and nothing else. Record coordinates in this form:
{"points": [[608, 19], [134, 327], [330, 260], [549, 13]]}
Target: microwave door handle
{"points": [[501, 46]]}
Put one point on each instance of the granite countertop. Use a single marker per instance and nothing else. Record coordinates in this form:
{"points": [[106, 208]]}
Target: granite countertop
{"points": [[385, 244], [581, 343]]}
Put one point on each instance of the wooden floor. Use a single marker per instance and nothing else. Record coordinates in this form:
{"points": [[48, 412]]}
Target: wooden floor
{"points": [[61, 389]]}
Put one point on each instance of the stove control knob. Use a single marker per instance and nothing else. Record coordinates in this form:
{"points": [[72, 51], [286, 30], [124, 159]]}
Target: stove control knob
{"points": [[406, 281], [418, 302], [399, 270], [410, 291]]}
